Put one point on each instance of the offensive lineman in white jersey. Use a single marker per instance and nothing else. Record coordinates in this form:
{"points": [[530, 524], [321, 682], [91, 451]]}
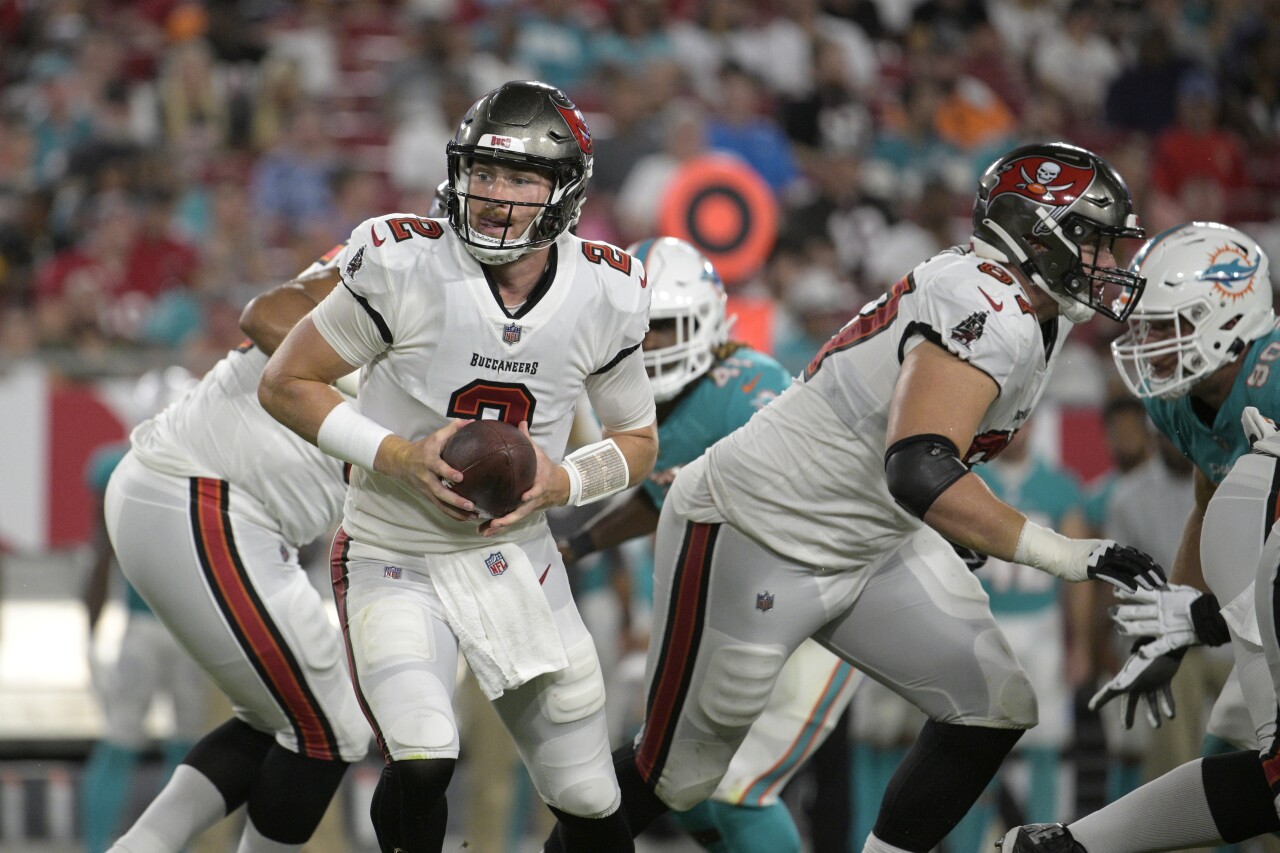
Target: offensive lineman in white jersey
{"points": [[500, 312], [813, 519], [206, 513]]}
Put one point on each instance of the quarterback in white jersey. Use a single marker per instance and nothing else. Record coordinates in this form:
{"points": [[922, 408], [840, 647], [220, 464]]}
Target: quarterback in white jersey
{"points": [[496, 312], [824, 515], [206, 513]]}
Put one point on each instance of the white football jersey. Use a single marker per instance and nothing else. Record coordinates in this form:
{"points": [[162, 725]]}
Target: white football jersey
{"points": [[218, 429], [419, 312], [805, 476]]}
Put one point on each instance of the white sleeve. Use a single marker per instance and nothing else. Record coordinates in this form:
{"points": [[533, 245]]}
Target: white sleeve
{"points": [[622, 395], [357, 316], [982, 325], [348, 327]]}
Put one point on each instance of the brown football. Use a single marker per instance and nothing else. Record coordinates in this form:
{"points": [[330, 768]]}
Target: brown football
{"points": [[497, 462]]}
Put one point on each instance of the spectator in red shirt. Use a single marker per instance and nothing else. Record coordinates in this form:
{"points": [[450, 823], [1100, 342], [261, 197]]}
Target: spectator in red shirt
{"points": [[107, 283], [1195, 150]]}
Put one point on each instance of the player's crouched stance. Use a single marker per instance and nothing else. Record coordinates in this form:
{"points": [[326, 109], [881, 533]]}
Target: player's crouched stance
{"points": [[825, 515], [206, 513]]}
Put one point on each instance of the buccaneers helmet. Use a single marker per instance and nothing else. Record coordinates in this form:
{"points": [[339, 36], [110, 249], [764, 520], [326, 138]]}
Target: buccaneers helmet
{"points": [[687, 292], [522, 124], [1208, 295], [1039, 205]]}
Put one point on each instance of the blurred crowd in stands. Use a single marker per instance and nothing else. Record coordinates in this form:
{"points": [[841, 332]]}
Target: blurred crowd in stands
{"points": [[162, 161]]}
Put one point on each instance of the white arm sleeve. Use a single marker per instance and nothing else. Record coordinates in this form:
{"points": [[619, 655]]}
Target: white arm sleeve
{"points": [[348, 327], [622, 396]]}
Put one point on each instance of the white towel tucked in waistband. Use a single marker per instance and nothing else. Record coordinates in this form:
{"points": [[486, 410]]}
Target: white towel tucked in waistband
{"points": [[497, 609]]}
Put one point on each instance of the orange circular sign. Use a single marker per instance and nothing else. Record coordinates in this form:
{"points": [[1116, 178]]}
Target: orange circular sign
{"points": [[721, 205]]}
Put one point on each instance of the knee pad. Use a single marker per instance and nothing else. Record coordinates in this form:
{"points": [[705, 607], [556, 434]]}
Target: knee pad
{"points": [[685, 798], [577, 691], [738, 682], [590, 798], [419, 733], [1015, 699], [1012, 698]]}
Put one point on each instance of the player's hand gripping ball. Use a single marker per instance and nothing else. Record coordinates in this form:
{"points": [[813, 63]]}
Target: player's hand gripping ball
{"points": [[497, 462]]}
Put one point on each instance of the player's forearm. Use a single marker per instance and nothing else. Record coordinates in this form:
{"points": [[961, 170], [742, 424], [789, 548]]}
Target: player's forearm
{"points": [[298, 403], [640, 448], [1186, 563], [636, 516], [968, 514]]}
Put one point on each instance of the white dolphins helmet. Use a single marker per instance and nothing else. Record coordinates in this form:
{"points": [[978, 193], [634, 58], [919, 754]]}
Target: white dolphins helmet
{"points": [[1208, 295], [687, 290]]}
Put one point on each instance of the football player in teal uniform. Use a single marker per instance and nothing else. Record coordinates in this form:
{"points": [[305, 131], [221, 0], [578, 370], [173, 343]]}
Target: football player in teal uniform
{"points": [[706, 386], [1199, 352]]}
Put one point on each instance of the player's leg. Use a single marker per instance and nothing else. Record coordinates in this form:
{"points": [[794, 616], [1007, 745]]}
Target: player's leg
{"points": [[188, 689], [404, 658], [558, 724], [1223, 797], [250, 617], [728, 614], [126, 694], [884, 725], [921, 625], [744, 813]]}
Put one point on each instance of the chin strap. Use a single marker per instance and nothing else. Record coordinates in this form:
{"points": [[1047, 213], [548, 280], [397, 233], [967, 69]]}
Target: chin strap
{"points": [[1075, 311]]}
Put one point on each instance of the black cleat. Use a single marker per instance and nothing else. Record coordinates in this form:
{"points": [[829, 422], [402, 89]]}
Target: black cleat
{"points": [[1039, 838]]}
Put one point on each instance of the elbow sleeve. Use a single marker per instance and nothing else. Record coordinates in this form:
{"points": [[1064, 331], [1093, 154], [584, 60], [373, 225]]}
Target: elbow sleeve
{"points": [[921, 467]]}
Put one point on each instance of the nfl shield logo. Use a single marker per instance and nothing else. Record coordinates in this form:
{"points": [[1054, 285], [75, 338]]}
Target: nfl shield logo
{"points": [[496, 562], [511, 333], [392, 572], [764, 601]]}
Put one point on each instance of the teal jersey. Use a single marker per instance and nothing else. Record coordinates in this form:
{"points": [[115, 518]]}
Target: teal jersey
{"points": [[1045, 496], [719, 402], [1215, 448], [722, 400], [97, 471], [1096, 500]]}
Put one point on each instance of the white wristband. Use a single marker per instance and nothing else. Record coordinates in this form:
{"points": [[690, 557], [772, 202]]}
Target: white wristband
{"points": [[595, 472], [350, 436], [1050, 551]]}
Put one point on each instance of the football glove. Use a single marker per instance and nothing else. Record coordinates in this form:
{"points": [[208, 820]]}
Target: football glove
{"points": [[1145, 677], [1183, 613], [1124, 567], [1257, 426]]}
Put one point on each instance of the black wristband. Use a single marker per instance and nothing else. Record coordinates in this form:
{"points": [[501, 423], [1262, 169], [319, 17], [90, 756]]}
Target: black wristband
{"points": [[580, 544], [1206, 618]]}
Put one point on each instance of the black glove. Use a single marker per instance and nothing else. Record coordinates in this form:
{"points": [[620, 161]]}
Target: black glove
{"points": [[1124, 567], [973, 560]]}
